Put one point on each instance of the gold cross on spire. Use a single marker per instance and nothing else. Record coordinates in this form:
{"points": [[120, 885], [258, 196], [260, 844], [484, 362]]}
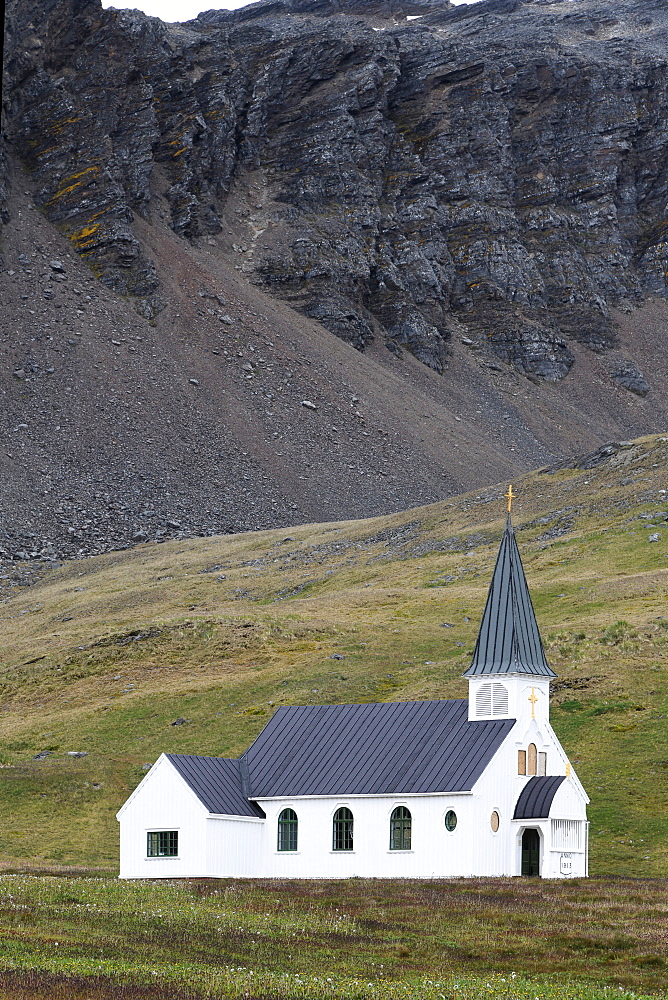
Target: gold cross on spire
{"points": [[533, 699], [509, 497]]}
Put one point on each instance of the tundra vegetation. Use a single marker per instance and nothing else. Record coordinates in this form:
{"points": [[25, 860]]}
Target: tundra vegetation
{"points": [[104, 656], [392, 940]]}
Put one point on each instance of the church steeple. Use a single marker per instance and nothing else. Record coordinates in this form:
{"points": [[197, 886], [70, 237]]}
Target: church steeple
{"points": [[509, 641]]}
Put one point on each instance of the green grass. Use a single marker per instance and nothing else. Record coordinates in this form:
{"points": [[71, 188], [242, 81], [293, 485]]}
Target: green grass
{"points": [[468, 938], [103, 655]]}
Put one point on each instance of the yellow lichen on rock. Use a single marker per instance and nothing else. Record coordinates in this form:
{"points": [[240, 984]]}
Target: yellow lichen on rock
{"points": [[67, 188]]}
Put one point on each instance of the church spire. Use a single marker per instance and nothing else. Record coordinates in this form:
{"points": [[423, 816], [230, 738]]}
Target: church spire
{"points": [[509, 641]]}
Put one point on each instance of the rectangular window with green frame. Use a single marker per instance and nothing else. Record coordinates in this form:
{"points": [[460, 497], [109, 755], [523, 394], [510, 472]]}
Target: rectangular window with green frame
{"points": [[162, 844]]}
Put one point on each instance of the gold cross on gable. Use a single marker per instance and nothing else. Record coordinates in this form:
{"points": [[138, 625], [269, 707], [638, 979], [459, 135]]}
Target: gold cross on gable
{"points": [[510, 496], [533, 699]]}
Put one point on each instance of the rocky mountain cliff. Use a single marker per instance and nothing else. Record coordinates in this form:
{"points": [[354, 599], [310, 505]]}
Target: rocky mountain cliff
{"points": [[484, 188]]}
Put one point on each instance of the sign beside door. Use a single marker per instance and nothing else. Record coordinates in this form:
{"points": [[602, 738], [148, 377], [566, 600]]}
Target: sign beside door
{"points": [[566, 865]]}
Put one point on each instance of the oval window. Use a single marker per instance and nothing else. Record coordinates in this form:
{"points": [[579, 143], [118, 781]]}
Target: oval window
{"points": [[494, 821], [450, 820]]}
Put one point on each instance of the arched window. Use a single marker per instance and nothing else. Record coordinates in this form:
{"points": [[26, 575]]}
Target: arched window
{"points": [[342, 831], [521, 762], [542, 763], [287, 830], [400, 829], [532, 758]]}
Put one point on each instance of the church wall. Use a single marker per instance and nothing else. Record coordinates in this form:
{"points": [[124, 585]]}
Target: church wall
{"points": [[235, 847], [498, 790], [435, 852], [568, 802], [163, 802], [567, 833], [556, 861]]}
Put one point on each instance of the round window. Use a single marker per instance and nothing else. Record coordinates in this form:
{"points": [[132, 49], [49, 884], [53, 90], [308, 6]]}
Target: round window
{"points": [[494, 821], [450, 820]]}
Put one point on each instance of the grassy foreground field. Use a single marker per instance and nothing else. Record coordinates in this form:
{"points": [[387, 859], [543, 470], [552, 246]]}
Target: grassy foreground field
{"points": [[188, 647], [391, 940]]}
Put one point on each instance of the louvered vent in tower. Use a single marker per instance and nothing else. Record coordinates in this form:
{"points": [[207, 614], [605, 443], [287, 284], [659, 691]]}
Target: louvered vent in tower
{"points": [[483, 701], [491, 700], [499, 699]]}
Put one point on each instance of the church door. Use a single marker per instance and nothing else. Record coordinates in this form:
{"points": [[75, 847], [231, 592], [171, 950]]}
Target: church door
{"points": [[530, 852]]}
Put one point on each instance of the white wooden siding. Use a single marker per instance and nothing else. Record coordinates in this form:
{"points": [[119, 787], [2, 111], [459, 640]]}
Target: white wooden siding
{"points": [[163, 802], [235, 847]]}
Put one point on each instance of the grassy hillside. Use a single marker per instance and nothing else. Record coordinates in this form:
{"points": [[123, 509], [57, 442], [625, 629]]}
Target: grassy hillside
{"points": [[106, 655]]}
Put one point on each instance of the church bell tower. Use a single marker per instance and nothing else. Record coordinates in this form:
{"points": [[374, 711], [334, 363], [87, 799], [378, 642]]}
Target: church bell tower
{"points": [[509, 676]]}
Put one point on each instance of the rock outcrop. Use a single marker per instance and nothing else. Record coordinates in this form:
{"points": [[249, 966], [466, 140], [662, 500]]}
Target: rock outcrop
{"points": [[399, 171], [199, 220]]}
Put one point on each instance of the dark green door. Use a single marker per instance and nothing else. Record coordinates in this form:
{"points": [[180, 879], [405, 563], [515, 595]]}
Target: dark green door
{"points": [[530, 853]]}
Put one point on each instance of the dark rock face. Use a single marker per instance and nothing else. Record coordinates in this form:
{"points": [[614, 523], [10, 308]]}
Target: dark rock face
{"points": [[534, 350], [4, 192], [628, 375], [501, 166]]}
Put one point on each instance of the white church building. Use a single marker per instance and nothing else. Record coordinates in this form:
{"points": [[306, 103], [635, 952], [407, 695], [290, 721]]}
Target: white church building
{"points": [[425, 789]]}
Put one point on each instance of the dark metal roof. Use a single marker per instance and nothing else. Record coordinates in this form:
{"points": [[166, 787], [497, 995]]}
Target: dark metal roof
{"points": [[536, 797], [372, 749], [217, 783], [509, 641]]}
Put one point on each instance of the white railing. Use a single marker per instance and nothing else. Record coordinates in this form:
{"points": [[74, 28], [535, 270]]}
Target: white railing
{"points": [[567, 835]]}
